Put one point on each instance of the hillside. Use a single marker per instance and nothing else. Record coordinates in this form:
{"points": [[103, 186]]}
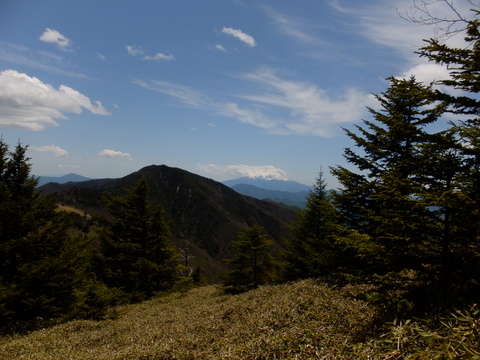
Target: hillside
{"points": [[200, 210], [302, 320]]}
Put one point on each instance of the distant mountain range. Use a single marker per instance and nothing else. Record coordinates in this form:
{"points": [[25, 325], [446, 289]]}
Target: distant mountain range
{"points": [[201, 211], [269, 183], [61, 179], [280, 190]]}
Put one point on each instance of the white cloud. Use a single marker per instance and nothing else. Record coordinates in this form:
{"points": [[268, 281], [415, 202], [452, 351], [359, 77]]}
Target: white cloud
{"points": [[53, 36], [183, 93], [106, 153], [101, 56], [427, 73], [134, 50], [311, 111], [240, 35], [242, 170], [159, 56], [58, 151], [28, 103], [220, 47]]}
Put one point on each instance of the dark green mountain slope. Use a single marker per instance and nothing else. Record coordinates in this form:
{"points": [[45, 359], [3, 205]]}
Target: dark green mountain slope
{"points": [[200, 210]]}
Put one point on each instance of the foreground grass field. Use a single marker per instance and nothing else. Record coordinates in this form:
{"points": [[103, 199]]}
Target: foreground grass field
{"points": [[304, 320]]}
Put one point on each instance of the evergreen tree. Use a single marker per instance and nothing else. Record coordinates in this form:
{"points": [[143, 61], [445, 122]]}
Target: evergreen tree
{"points": [[462, 186], [139, 258], [41, 267], [253, 264], [391, 225], [311, 252]]}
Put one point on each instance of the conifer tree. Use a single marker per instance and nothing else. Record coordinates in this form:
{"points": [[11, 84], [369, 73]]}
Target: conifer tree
{"points": [[390, 226], [41, 266], [311, 251], [139, 258], [252, 264], [462, 187]]}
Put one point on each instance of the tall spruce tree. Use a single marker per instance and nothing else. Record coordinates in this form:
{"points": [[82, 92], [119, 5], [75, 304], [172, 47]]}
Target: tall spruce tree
{"points": [[41, 267], [139, 258], [311, 252], [391, 227]]}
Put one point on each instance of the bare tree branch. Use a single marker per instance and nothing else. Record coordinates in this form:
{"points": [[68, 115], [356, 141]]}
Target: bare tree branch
{"points": [[445, 27]]}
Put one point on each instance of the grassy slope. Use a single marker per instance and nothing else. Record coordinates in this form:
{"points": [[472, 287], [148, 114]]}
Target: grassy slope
{"points": [[304, 320]]}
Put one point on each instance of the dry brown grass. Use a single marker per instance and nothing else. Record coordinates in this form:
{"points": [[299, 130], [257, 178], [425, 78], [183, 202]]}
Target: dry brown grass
{"points": [[68, 208], [304, 320]]}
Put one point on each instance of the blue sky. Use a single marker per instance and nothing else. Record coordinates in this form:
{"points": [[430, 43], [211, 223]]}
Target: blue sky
{"points": [[221, 88]]}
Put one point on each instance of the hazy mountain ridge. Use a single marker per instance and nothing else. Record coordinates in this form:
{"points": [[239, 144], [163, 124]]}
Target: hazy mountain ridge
{"points": [[61, 179], [269, 184], [296, 199]]}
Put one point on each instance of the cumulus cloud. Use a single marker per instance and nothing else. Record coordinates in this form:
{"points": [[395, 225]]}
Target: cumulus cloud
{"points": [[56, 150], [106, 153], [28, 103], [242, 170], [159, 56], [53, 36], [240, 35]]}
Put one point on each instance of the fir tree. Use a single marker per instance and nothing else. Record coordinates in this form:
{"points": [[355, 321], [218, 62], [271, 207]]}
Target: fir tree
{"points": [[253, 264], [42, 267], [311, 251], [139, 258], [390, 226], [459, 192]]}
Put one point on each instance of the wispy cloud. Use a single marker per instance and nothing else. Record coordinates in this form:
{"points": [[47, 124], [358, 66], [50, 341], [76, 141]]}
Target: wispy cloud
{"points": [[312, 110], [240, 35], [28, 103], [53, 36], [134, 50], [22, 55], [385, 24], [291, 28], [159, 56], [183, 93], [242, 170], [56, 150], [220, 47], [106, 153]]}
